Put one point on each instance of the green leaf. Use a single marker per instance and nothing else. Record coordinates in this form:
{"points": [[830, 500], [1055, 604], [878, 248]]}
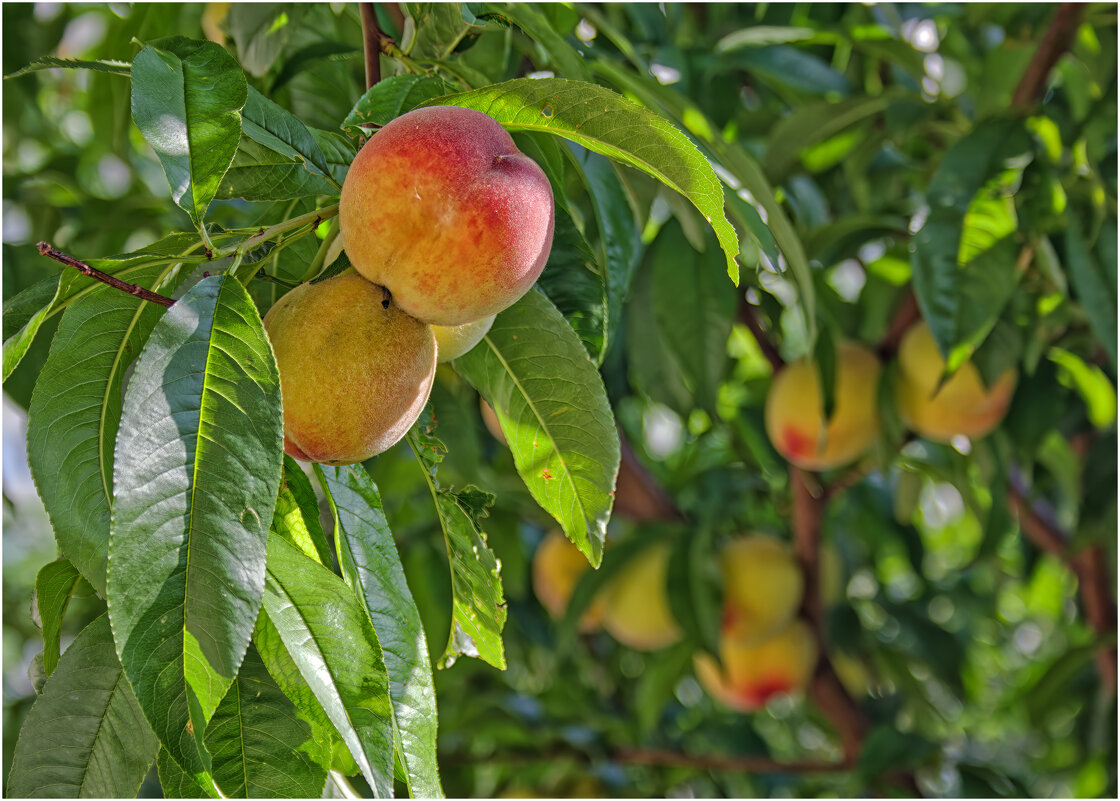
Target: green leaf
{"points": [[74, 413], [695, 310], [887, 750], [790, 68], [54, 586], [390, 98], [554, 412], [259, 745], [811, 124], [261, 33], [747, 174], [564, 58], [186, 101], [1094, 283], [372, 567], [339, 152], [478, 608], [330, 639], [605, 122], [260, 173], [197, 468], [619, 234], [434, 30], [296, 518], [279, 129], [1091, 383], [52, 62], [174, 782], [573, 282], [939, 281], [85, 736]]}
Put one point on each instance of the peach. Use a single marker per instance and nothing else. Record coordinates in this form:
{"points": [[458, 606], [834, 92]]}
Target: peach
{"points": [[455, 340], [754, 672], [762, 586], [441, 208], [355, 371], [557, 567], [793, 413], [962, 406], [636, 605]]}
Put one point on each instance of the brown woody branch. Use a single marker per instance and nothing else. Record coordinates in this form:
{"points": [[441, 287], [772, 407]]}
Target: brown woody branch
{"points": [[45, 249], [638, 496], [905, 316], [1057, 39], [371, 38], [653, 757], [748, 316], [1088, 565]]}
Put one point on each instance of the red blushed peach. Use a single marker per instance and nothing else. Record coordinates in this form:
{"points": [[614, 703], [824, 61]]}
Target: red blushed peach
{"points": [[355, 371], [794, 405], [962, 405], [441, 208], [753, 673], [762, 586]]}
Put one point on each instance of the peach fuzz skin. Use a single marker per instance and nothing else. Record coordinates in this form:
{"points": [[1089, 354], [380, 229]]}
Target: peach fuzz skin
{"points": [[794, 409], [354, 374], [752, 674], [441, 208], [962, 406]]}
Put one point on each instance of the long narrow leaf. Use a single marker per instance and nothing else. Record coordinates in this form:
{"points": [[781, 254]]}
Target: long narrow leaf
{"points": [[197, 469], [332, 642], [85, 736], [372, 567], [553, 409]]}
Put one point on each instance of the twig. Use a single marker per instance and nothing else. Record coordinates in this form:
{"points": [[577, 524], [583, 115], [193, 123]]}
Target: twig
{"points": [[1059, 34], [638, 496], [654, 757], [371, 37], [132, 289], [744, 764], [905, 316], [809, 504], [748, 316], [1088, 565]]}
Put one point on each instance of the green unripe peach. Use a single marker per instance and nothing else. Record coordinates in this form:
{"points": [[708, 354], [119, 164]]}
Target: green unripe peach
{"points": [[557, 567], [962, 406], [762, 586], [636, 605], [355, 371], [755, 672], [794, 410], [455, 340], [441, 208]]}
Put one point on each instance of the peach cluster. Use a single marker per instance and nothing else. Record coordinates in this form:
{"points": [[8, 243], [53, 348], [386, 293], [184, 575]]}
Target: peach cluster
{"points": [[939, 411], [446, 224]]}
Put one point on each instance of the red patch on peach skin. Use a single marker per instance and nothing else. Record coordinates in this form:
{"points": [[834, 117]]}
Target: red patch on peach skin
{"points": [[756, 695], [796, 443], [729, 618], [294, 451]]}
